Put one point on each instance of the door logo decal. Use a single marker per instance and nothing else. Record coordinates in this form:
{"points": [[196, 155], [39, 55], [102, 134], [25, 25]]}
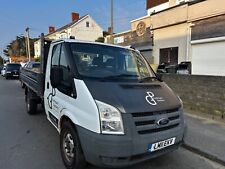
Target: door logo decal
{"points": [[152, 100], [50, 98]]}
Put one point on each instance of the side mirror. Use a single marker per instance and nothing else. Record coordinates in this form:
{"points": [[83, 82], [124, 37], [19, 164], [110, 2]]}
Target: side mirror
{"points": [[159, 76], [56, 76]]}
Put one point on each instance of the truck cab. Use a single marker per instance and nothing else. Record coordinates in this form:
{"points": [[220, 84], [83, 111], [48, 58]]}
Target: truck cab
{"points": [[108, 105], [112, 97]]}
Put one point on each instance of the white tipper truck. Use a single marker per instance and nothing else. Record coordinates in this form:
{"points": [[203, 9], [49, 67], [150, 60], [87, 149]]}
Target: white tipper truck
{"points": [[106, 102]]}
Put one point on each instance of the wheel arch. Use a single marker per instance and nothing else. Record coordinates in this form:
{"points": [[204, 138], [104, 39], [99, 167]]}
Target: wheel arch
{"points": [[65, 117]]}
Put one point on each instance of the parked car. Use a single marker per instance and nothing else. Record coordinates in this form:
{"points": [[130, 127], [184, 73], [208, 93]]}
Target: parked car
{"points": [[12, 70], [172, 68], [167, 68], [107, 104], [184, 68], [162, 68], [3, 71], [32, 66]]}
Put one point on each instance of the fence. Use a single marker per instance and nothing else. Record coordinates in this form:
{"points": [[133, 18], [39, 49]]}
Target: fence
{"points": [[204, 94]]}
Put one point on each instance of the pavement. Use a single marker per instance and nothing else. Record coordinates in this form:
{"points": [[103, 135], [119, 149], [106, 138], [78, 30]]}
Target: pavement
{"points": [[31, 142], [206, 137]]}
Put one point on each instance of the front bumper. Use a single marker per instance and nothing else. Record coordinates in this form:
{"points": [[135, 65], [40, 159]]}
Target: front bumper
{"points": [[12, 74], [125, 150]]}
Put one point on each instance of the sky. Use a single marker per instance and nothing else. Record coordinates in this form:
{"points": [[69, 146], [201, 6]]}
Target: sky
{"points": [[38, 15]]}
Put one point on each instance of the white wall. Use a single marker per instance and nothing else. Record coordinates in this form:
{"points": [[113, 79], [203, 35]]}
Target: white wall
{"points": [[91, 33], [173, 36], [158, 8], [209, 58]]}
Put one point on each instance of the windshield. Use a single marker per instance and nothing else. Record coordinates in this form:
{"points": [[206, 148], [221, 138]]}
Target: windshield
{"points": [[36, 65], [13, 66], [101, 61], [182, 67]]}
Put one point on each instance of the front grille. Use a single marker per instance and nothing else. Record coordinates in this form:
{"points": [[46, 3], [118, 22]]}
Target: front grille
{"points": [[15, 73], [146, 123]]}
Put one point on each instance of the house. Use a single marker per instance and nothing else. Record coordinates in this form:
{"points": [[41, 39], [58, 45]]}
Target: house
{"points": [[139, 36], [191, 31], [184, 30], [154, 6], [82, 28]]}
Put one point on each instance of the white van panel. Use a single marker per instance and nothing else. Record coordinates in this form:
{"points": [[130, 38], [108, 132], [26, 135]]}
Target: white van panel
{"points": [[82, 111]]}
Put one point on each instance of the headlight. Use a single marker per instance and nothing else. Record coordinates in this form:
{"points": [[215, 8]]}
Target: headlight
{"points": [[8, 72], [182, 104], [110, 118]]}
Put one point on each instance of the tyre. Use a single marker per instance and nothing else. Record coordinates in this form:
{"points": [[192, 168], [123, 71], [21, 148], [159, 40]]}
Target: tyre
{"points": [[31, 104], [22, 85], [6, 77], [71, 150]]}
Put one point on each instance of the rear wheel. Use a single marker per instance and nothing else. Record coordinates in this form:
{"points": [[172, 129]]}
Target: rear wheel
{"points": [[31, 104], [70, 147], [22, 85]]}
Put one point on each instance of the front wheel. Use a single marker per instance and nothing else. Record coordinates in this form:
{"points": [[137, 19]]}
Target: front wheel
{"points": [[70, 147]]}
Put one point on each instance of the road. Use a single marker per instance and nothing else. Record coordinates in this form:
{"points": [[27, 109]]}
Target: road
{"points": [[31, 142], [208, 131]]}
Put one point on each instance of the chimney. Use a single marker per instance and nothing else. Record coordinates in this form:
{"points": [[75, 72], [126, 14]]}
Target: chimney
{"points": [[110, 30], [75, 16], [51, 29]]}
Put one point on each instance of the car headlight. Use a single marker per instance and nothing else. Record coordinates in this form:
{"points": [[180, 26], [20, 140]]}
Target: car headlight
{"points": [[8, 72], [110, 119], [182, 104]]}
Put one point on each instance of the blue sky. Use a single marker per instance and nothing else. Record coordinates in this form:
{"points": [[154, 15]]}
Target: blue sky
{"points": [[15, 15]]}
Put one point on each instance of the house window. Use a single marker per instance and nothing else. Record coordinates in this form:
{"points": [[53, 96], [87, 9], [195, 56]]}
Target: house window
{"points": [[169, 55], [87, 24]]}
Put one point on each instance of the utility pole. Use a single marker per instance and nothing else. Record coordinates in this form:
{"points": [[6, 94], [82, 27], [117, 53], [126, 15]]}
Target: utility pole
{"points": [[25, 39], [112, 26], [28, 41]]}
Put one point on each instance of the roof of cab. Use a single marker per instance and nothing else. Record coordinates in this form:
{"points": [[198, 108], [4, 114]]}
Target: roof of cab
{"points": [[89, 42]]}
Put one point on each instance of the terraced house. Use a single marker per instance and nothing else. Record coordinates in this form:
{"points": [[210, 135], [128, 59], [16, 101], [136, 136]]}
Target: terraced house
{"points": [[180, 30], [81, 28]]}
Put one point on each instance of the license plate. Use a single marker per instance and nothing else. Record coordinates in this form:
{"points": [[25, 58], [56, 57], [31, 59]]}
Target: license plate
{"points": [[16, 75], [161, 144]]}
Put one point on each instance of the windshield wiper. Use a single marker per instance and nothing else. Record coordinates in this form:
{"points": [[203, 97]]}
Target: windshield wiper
{"points": [[119, 76], [148, 78]]}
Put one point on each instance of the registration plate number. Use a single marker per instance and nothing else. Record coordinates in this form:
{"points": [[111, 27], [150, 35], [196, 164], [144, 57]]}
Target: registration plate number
{"points": [[161, 144]]}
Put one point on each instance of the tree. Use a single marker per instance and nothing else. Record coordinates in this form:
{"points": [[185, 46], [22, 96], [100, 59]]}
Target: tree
{"points": [[100, 39], [18, 47], [1, 61]]}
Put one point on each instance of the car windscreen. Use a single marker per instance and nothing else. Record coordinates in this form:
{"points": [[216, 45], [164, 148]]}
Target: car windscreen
{"points": [[13, 66], [162, 67], [182, 67], [102, 61], [36, 65]]}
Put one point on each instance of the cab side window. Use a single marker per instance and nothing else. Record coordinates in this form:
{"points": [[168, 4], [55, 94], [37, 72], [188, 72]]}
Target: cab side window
{"points": [[59, 59], [64, 65], [55, 55]]}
